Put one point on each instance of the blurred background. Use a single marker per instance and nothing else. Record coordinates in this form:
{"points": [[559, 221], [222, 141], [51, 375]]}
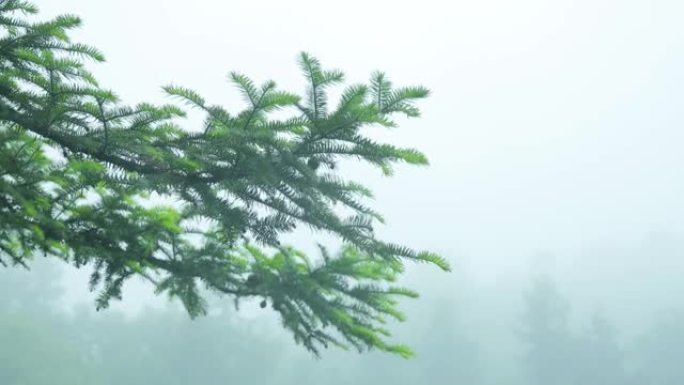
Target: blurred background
{"points": [[554, 132]]}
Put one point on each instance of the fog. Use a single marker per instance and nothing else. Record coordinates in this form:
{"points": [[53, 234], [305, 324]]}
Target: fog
{"points": [[554, 189]]}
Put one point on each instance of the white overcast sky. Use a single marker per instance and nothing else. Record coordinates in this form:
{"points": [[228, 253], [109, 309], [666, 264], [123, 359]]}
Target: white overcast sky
{"points": [[553, 126]]}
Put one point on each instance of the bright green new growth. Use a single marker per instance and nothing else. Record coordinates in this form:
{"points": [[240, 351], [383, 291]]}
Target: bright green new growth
{"points": [[236, 186]]}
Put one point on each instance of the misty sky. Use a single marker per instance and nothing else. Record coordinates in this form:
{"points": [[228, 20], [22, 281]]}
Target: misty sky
{"points": [[554, 129]]}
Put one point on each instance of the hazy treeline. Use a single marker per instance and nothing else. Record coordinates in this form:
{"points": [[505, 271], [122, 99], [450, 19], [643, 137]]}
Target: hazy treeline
{"points": [[462, 336]]}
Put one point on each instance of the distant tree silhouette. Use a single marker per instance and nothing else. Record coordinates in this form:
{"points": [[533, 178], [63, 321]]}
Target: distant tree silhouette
{"points": [[558, 355], [547, 336]]}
